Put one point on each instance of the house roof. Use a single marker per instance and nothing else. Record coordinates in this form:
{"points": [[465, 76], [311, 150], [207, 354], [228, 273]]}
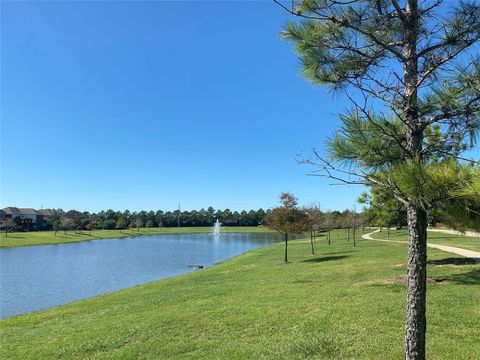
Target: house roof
{"points": [[25, 211]]}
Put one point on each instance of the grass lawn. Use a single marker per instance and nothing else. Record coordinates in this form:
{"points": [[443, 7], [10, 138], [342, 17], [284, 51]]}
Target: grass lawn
{"points": [[48, 237], [345, 303], [471, 243]]}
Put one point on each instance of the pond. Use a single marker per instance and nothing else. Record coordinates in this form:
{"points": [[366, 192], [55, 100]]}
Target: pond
{"points": [[40, 277]]}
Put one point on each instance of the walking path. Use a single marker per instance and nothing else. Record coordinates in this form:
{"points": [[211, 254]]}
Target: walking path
{"points": [[450, 249], [455, 232]]}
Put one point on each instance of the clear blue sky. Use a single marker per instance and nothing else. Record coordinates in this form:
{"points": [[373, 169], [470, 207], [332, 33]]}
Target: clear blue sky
{"points": [[144, 105]]}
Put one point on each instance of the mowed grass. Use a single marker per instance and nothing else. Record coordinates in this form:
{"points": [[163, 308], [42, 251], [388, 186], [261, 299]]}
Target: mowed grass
{"points": [[48, 237], [471, 243], [344, 303]]}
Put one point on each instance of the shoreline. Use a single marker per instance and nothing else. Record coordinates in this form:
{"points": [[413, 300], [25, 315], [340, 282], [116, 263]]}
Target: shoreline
{"points": [[36, 238], [189, 271]]}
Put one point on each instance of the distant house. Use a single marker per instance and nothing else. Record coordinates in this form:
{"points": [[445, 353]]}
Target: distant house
{"points": [[39, 218]]}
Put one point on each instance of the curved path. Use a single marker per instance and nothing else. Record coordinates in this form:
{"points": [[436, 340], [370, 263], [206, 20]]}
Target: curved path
{"points": [[450, 249]]}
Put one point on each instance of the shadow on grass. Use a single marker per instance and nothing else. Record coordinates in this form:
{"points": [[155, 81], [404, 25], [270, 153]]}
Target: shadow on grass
{"points": [[454, 261], [339, 252], [325, 258], [468, 278]]}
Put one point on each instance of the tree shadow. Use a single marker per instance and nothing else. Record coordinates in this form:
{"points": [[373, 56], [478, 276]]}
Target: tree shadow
{"points": [[325, 258], [339, 252], [454, 261], [468, 278], [13, 237]]}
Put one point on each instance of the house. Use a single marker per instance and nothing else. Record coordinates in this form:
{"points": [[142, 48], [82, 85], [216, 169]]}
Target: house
{"points": [[38, 218]]}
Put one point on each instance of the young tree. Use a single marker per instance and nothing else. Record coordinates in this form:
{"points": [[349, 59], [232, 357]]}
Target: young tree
{"points": [[314, 222], [120, 223], [327, 224], [413, 108], [8, 224], [67, 224], [56, 220], [132, 225], [90, 226], [287, 219], [139, 223]]}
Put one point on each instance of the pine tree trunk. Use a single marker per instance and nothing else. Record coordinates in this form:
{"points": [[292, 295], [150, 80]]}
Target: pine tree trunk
{"points": [[415, 326], [286, 248]]}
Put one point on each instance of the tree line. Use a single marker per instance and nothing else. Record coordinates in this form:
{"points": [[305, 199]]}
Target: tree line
{"points": [[119, 220], [111, 219]]}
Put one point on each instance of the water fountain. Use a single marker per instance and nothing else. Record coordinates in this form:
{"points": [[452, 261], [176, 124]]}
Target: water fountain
{"points": [[216, 228]]}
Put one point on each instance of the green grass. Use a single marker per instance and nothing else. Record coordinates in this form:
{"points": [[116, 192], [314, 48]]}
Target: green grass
{"points": [[471, 243], [336, 305], [48, 237]]}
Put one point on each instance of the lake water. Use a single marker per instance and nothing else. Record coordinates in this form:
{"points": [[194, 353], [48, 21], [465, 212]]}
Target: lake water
{"points": [[38, 277]]}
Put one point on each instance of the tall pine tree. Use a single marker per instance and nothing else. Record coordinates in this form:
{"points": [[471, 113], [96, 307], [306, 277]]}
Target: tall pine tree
{"points": [[408, 67]]}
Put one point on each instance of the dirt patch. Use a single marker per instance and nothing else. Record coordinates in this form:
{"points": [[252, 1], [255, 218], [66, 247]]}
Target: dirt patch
{"points": [[402, 280]]}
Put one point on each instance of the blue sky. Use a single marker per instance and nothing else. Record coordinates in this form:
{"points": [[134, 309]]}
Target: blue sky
{"points": [[144, 105]]}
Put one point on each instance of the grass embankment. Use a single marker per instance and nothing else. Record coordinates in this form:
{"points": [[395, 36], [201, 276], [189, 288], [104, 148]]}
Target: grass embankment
{"points": [[48, 237], [471, 243], [347, 303]]}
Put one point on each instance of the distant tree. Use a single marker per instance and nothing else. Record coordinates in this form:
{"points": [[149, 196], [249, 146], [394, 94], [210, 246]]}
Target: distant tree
{"points": [[132, 225], [149, 224], [109, 224], [56, 219], [327, 224], [384, 209], [120, 223], [315, 219], [8, 225], [287, 219], [68, 224], [90, 226], [139, 223]]}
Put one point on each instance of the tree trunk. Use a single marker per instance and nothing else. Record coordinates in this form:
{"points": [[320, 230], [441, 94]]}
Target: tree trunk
{"points": [[348, 234], [311, 243], [286, 248], [328, 235], [415, 326]]}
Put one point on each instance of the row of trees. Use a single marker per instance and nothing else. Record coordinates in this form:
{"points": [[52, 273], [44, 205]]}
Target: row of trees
{"points": [[111, 219], [290, 219]]}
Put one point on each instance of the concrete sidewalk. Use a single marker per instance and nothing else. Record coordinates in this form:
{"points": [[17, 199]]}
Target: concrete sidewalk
{"points": [[450, 249]]}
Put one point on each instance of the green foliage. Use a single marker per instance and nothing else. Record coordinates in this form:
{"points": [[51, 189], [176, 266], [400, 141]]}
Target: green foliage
{"points": [[368, 142], [288, 218], [405, 137]]}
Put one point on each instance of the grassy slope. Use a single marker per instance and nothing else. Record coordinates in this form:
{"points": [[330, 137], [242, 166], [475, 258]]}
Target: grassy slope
{"points": [[253, 307], [472, 243], [48, 237]]}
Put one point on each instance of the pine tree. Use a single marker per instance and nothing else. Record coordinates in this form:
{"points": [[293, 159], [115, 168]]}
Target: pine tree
{"points": [[407, 68]]}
